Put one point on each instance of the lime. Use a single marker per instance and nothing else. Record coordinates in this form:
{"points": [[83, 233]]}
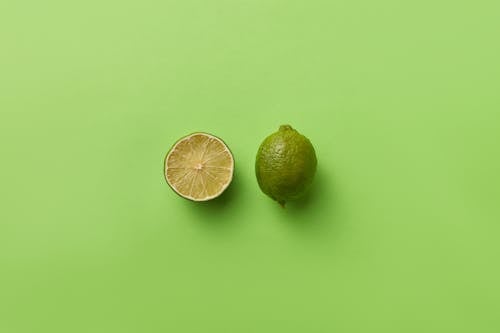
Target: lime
{"points": [[285, 165], [199, 167]]}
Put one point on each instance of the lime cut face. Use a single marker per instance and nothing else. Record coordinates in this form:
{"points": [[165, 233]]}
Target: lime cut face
{"points": [[199, 167], [285, 165]]}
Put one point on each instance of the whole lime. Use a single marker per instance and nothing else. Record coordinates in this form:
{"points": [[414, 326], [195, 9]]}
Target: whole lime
{"points": [[285, 165]]}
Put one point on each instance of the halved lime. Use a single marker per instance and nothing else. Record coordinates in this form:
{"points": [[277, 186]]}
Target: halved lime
{"points": [[199, 167]]}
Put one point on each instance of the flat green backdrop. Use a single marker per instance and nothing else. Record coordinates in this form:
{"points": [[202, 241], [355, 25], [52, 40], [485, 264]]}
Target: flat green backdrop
{"points": [[401, 232]]}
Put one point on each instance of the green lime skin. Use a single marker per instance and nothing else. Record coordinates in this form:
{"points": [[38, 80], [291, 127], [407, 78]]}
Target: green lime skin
{"points": [[285, 165]]}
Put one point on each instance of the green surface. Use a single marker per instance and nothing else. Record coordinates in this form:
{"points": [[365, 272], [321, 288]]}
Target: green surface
{"points": [[401, 230]]}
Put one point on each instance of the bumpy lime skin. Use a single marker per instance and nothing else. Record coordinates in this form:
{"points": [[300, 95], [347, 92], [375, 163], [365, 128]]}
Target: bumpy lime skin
{"points": [[285, 165]]}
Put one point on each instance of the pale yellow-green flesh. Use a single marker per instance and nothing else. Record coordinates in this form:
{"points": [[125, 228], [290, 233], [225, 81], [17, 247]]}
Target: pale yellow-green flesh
{"points": [[199, 167]]}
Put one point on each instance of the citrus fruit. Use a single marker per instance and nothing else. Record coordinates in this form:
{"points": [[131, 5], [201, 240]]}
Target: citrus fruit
{"points": [[199, 167], [285, 165]]}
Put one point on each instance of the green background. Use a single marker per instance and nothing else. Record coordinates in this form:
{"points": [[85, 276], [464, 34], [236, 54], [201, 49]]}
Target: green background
{"points": [[400, 232]]}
